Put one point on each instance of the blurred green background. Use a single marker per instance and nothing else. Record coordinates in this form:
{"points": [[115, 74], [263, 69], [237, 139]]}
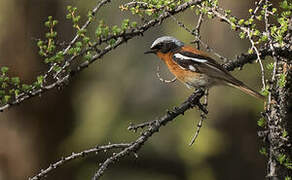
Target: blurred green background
{"points": [[99, 104]]}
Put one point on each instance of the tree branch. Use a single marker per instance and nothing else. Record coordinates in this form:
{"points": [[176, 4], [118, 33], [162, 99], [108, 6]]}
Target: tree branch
{"points": [[132, 147], [121, 39], [84, 153]]}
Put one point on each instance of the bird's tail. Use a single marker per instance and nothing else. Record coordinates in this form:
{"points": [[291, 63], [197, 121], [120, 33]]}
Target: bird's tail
{"points": [[248, 90]]}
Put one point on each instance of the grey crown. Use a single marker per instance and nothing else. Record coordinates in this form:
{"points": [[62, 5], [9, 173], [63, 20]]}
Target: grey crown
{"points": [[167, 39]]}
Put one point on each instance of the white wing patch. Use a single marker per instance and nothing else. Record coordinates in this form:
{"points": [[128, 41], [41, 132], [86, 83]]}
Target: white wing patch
{"points": [[192, 68], [179, 56]]}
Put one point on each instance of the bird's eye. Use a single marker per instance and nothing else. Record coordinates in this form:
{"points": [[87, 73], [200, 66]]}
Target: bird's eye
{"points": [[165, 48], [158, 46]]}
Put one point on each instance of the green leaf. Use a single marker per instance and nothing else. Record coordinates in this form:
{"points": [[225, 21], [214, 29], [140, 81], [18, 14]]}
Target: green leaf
{"points": [[116, 30], [264, 38], [134, 24], [69, 8], [112, 42], [256, 32], [40, 43], [86, 40], [285, 133], [125, 24], [76, 19], [197, 11], [69, 16], [288, 164], [282, 80], [260, 17], [90, 15], [59, 57], [55, 22], [284, 4], [241, 21], [26, 87], [40, 80], [265, 92], [261, 122], [242, 35], [81, 32], [2, 93], [281, 158], [233, 26], [4, 85], [6, 98], [270, 66], [47, 23], [88, 56], [227, 12], [78, 44], [15, 80], [4, 69], [57, 68], [16, 92], [263, 151], [232, 19]]}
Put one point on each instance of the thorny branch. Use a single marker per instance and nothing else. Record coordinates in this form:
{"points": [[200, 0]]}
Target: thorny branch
{"points": [[133, 147], [85, 25], [170, 116], [277, 107], [193, 100], [222, 16], [197, 30], [151, 127], [271, 166], [121, 39], [196, 34], [82, 154]]}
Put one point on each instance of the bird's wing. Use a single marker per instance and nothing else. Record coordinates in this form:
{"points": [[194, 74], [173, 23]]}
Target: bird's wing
{"points": [[201, 63]]}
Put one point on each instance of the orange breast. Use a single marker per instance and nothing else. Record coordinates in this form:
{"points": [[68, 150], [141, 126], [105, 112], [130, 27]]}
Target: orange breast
{"points": [[189, 77], [181, 74]]}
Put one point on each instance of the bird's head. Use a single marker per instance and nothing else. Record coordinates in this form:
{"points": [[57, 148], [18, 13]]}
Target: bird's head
{"points": [[164, 45]]}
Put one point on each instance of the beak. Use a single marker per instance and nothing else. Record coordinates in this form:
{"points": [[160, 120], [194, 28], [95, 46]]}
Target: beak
{"points": [[151, 51]]}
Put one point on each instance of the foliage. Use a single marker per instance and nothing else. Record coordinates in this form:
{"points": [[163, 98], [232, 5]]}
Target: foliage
{"points": [[85, 48]]}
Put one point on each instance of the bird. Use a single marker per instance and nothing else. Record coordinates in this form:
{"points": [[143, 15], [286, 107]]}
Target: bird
{"points": [[194, 67]]}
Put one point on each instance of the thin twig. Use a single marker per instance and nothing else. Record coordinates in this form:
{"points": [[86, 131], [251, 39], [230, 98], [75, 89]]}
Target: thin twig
{"points": [[197, 30], [123, 38], [86, 24], [247, 30], [84, 153], [193, 100], [161, 79], [209, 49], [272, 164], [203, 117], [258, 58], [140, 126]]}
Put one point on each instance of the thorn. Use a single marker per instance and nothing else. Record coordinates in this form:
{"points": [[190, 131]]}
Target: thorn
{"points": [[168, 112]]}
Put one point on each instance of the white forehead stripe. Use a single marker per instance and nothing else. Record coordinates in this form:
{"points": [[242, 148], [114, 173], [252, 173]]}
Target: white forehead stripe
{"points": [[179, 56], [167, 39]]}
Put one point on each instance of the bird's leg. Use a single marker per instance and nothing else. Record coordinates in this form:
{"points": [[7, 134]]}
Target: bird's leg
{"points": [[191, 100]]}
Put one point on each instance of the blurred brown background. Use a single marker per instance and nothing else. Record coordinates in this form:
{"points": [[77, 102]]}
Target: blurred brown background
{"points": [[98, 105]]}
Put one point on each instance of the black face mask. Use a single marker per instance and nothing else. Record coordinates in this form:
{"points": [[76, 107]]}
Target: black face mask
{"points": [[169, 47]]}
